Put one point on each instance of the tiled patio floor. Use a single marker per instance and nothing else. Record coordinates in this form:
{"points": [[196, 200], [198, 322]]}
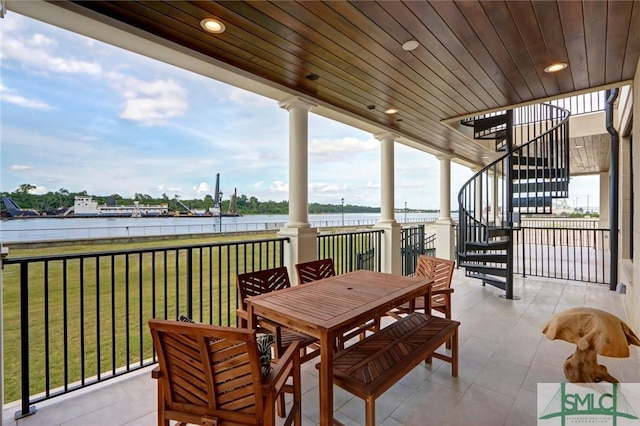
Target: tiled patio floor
{"points": [[503, 356]]}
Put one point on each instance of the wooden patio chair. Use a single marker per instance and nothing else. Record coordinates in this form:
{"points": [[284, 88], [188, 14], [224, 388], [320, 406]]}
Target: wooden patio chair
{"points": [[323, 268], [210, 375], [315, 270], [265, 281], [441, 271]]}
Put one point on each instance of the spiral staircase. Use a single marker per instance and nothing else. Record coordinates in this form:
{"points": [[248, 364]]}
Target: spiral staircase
{"points": [[532, 171]]}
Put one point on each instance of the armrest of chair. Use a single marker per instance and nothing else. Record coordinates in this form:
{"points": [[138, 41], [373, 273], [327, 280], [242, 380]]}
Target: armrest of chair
{"points": [[243, 317], [448, 290], [156, 373], [286, 365]]}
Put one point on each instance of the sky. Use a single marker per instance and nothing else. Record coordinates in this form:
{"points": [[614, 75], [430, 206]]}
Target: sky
{"points": [[83, 115]]}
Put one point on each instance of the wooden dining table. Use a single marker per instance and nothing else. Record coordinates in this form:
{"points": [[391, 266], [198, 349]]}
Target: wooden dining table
{"points": [[326, 308]]}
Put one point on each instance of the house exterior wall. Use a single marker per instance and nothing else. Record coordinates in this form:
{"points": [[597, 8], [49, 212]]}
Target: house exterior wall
{"points": [[625, 211], [629, 268]]}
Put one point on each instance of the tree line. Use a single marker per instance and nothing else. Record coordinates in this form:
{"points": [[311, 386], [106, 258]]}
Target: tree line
{"points": [[55, 202]]}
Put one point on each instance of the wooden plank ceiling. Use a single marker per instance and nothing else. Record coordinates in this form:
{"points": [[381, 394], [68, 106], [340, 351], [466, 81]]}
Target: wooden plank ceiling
{"points": [[472, 56]]}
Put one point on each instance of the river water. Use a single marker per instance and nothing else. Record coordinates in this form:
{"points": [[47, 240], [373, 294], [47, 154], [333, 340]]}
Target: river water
{"points": [[52, 229]]}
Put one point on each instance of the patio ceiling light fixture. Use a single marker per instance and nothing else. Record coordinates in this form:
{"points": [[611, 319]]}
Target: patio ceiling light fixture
{"points": [[391, 111], [212, 25], [556, 67], [410, 45]]}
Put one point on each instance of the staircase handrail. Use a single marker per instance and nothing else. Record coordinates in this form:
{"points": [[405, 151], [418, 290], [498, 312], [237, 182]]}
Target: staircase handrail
{"points": [[464, 213]]}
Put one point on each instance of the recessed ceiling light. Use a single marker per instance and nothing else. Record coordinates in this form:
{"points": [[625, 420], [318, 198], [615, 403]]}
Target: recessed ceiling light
{"points": [[371, 107], [391, 111], [312, 77], [579, 146], [410, 45], [556, 67], [484, 157], [212, 25]]}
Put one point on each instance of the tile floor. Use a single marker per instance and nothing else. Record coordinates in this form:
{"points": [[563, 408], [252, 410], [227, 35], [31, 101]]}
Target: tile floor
{"points": [[503, 356]]}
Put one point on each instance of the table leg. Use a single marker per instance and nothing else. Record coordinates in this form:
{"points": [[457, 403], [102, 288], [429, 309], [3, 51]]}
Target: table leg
{"points": [[326, 379]]}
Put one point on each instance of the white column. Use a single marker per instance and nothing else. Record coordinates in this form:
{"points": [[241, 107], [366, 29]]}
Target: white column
{"points": [[604, 200], [302, 237], [495, 197], [387, 177], [445, 187], [391, 256], [444, 225], [298, 161], [604, 209], [477, 189]]}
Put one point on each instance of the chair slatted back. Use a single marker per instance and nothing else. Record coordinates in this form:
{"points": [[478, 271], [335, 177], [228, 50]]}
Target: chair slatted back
{"points": [[440, 270], [315, 270], [209, 371], [261, 282]]}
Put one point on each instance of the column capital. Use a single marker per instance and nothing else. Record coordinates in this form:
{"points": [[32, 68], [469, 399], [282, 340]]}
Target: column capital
{"points": [[442, 157], [297, 102], [386, 136]]}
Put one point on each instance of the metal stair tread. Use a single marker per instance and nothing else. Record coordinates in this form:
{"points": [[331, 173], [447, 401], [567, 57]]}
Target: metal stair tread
{"points": [[490, 245], [486, 123], [483, 257], [480, 268]]}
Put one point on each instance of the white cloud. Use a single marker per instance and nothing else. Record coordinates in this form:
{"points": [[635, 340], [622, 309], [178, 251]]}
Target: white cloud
{"points": [[203, 188], [151, 102], [21, 168], [39, 190], [248, 99], [32, 52], [327, 149], [320, 187], [41, 40], [8, 95], [169, 190], [279, 186]]}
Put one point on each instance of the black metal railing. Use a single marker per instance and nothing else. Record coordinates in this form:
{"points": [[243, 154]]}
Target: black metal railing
{"points": [[430, 244], [352, 250], [577, 254], [560, 223], [79, 319], [412, 245], [582, 104]]}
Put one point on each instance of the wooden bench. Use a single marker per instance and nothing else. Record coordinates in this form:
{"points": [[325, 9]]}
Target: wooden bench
{"points": [[371, 366]]}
